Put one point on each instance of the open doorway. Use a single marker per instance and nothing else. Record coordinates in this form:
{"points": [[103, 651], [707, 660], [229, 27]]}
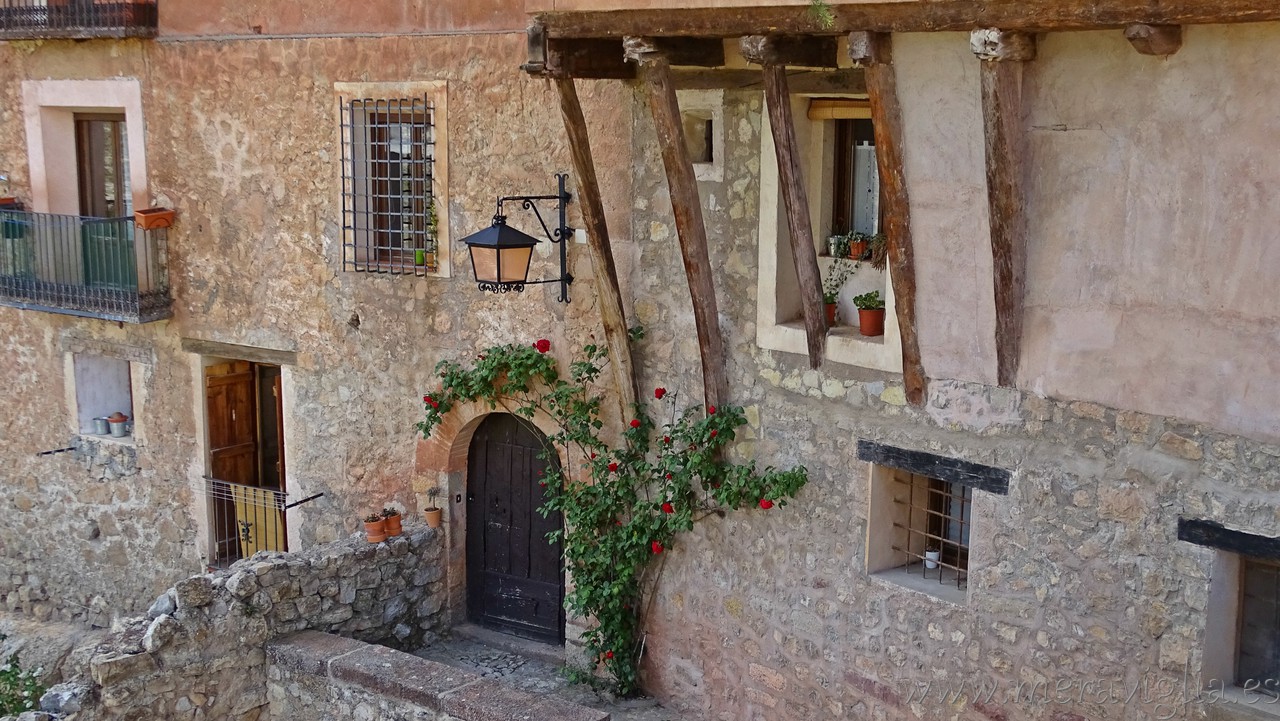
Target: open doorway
{"points": [[246, 481]]}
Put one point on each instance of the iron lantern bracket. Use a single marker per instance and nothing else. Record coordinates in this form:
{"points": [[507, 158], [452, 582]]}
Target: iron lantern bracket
{"points": [[559, 235]]}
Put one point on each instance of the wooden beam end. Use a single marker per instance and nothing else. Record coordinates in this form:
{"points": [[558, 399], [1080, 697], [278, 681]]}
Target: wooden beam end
{"points": [[1159, 40], [993, 44], [870, 48]]}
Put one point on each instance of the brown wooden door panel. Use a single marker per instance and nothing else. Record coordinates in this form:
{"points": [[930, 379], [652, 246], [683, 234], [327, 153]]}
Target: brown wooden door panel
{"points": [[515, 578], [233, 443]]}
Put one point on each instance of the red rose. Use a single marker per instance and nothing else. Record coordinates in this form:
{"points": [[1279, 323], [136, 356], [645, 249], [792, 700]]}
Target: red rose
{"points": [[593, 456], [608, 654], [711, 410], [668, 508], [666, 439], [543, 345], [426, 399], [713, 433], [659, 393], [542, 484], [657, 547], [766, 504], [635, 422], [668, 476], [613, 467]]}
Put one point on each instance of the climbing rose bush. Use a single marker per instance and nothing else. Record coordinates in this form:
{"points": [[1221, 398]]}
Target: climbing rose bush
{"points": [[634, 496]]}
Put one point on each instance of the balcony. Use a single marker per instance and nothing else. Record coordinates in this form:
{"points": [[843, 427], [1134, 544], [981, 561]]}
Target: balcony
{"points": [[92, 267], [77, 19]]}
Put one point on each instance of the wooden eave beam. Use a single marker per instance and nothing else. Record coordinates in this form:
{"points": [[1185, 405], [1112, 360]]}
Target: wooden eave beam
{"points": [[919, 16], [654, 72], [1003, 55], [772, 53], [601, 58], [875, 52], [609, 296], [791, 51], [846, 81]]}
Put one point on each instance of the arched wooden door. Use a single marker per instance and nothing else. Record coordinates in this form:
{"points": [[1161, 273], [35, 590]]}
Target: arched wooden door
{"points": [[515, 579]]}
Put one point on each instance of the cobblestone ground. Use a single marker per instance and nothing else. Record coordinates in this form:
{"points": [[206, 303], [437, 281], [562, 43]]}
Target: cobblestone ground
{"points": [[539, 676]]}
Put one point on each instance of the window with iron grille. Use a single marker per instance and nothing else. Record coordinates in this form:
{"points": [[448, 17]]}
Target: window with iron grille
{"points": [[389, 207], [932, 524]]}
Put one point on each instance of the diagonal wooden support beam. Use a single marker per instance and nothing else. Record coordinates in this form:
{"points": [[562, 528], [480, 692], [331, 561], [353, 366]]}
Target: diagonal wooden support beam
{"points": [[766, 51], [654, 71], [875, 52], [612, 314], [1003, 56]]}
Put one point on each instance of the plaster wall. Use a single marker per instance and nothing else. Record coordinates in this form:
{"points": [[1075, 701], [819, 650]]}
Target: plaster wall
{"points": [[1152, 234], [335, 17]]}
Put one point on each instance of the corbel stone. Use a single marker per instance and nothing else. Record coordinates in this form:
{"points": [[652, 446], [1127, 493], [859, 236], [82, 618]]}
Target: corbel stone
{"points": [[1160, 40], [996, 44]]}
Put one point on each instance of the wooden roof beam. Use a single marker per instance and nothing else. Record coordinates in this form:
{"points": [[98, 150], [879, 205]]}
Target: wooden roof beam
{"points": [[1003, 55], [875, 52], [774, 53], [602, 58], [921, 16], [654, 71]]}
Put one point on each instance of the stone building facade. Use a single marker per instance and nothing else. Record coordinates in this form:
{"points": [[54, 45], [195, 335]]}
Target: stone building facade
{"points": [[1143, 404]]}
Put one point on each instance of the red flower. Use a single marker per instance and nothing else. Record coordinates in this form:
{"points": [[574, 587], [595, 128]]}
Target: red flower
{"points": [[659, 393], [635, 422], [608, 654], [542, 484], [426, 399], [613, 467], [543, 345], [766, 504], [666, 440], [668, 476], [713, 433], [668, 508], [711, 410], [657, 547], [593, 456]]}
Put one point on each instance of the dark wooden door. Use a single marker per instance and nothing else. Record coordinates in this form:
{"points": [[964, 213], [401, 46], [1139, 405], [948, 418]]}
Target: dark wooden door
{"points": [[515, 580], [233, 449]]}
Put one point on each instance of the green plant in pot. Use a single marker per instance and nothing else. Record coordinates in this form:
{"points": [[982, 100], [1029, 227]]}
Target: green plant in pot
{"points": [[838, 246], [870, 313], [433, 514], [837, 274]]}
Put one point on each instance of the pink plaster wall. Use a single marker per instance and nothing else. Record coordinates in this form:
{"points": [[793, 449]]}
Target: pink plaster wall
{"points": [[944, 154], [1153, 228]]}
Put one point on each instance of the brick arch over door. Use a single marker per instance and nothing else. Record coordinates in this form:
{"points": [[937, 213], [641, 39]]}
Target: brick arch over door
{"points": [[442, 463]]}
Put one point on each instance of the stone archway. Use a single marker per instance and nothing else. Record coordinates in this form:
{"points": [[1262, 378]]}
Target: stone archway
{"points": [[441, 462]]}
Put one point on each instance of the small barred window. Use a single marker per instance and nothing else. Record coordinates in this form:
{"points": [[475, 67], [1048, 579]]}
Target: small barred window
{"points": [[389, 216]]}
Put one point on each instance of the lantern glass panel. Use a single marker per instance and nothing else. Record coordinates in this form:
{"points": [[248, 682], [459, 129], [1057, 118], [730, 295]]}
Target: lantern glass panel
{"points": [[514, 266]]}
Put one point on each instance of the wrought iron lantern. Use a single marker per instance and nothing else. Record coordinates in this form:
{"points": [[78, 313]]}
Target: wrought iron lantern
{"points": [[500, 254]]}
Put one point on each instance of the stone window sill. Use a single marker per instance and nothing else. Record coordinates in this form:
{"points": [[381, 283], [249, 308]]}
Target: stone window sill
{"points": [[1236, 704], [121, 440], [909, 577]]}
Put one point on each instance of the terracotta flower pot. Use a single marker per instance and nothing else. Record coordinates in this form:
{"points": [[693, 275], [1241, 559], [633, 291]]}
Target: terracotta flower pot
{"points": [[375, 531], [434, 517], [857, 249], [831, 314], [871, 322], [392, 524], [152, 218]]}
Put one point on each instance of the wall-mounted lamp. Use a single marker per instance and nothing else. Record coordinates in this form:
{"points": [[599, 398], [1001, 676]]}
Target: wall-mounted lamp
{"points": [[500, 254]]}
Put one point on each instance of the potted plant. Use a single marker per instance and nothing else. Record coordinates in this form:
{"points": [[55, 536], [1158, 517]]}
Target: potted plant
{"points": [[858, 243], [837, 274], [391, 519], [838, 246], [375, 528], [433, 513], [153, 218], [870, 313]]}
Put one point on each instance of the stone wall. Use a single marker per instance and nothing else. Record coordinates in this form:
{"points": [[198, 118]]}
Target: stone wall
{"points": [[200, 653], [314, 676]]}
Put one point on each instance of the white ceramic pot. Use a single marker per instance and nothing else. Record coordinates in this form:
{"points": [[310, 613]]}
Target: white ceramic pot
{"points": [[931, 559]]}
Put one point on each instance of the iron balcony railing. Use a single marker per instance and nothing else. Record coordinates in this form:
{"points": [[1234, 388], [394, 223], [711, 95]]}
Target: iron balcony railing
{"points": [[93, 267], [29, 19]]}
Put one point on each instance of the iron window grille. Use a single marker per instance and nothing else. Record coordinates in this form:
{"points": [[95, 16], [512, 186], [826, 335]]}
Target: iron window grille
{"points": [[389, 216], [936, 534]]}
